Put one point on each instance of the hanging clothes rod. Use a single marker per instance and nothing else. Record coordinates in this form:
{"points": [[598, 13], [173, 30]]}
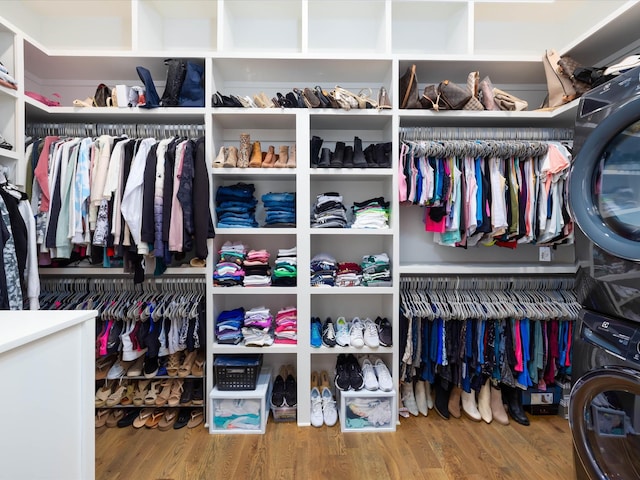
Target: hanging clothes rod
{"points": [[481, 133], [478, 148], [84, 285], [131, 130], [455, 282]]}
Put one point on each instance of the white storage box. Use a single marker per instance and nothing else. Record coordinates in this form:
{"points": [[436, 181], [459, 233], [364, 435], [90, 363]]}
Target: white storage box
{"points": [[368, 411], [241, 411]]}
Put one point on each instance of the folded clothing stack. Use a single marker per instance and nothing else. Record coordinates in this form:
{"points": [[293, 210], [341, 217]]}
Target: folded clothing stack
{"points": [[229, 272], [328, 211], [376, 271], [349, 274], [285, 271], [236, 206], [280, 208], [257, 329], [229, 326], [243, 413], [6, 80], [257, 272], [323, 270], [287, 326], [372, 213]]}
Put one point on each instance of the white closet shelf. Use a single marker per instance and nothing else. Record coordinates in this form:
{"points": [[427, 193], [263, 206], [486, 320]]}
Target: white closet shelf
{"points": [[352, 231], [254, 290], [8, 92], [355, 174], [106, 272], [255, 231], [4, 153], [485, 269], [335, 350], [241, 349], [352, 290], [247, 174]]}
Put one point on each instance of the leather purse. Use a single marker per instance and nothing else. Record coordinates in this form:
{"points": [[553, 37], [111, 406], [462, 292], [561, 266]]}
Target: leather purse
{"points": [[568, 65], [508, 102], [102, 97], [486, 94], [409, 89], [453, 95], [560, 89], [431, 100]]}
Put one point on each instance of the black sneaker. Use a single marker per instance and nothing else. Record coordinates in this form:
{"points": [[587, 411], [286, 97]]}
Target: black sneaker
{"points": [[356, 378], [290, 391], [277, 392], [342, 380], [328, 333], [384, 332]]}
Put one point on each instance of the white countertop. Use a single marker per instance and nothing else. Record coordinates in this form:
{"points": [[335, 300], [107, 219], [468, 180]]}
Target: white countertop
{"points": [[18, 328]]}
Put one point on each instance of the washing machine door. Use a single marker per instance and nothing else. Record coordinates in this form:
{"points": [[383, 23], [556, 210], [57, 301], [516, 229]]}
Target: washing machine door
{"points": [[604, 186], [604, 415]]}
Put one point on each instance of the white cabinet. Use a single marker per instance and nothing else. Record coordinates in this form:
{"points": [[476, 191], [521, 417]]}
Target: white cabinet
{"points": [[46, 363]]}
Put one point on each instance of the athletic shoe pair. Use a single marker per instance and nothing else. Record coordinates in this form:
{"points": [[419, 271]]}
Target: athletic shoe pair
{"points": [[376, 375]]}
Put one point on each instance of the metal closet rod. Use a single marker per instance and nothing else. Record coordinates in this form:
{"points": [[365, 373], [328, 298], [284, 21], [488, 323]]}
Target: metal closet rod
{"points": [[455, 282], [168, 285], [131, 129], [485, 133]]}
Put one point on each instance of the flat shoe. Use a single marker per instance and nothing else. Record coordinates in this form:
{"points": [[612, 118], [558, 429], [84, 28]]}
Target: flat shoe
{"points": [[142, 417], [101, 417], [154, 418], [184, 414], [168, 420], [114, 417], [197, 417]]}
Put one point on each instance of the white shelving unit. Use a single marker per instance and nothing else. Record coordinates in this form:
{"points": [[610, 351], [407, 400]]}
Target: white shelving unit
{"points": [[256, 46]]}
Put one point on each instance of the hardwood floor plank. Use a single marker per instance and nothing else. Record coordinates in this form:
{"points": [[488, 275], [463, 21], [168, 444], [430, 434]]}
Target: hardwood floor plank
{"points": [[422, 448]]}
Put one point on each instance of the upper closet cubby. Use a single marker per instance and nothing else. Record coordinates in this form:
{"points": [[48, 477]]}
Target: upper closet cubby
{"points": [[10, 123], [168, 26], [65, 25]]}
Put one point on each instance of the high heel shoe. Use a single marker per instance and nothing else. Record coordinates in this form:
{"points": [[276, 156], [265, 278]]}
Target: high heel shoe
{"points": [[291, 161], [256, 156]]}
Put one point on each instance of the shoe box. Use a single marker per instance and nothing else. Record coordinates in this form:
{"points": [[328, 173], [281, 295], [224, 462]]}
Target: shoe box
{"points": [[284, 414], [367, 410], [241, 411], [542, 402]]}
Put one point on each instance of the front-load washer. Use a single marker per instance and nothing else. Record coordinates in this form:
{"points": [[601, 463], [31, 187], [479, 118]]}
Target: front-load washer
{"points": [[604, 408]]}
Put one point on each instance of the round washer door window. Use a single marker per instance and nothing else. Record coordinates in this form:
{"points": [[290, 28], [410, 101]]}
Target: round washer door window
{"points": [[604, 184], [604, 414]]}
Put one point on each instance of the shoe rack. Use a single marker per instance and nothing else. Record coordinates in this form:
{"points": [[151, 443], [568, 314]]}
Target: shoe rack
{"points": [[257, 46]]}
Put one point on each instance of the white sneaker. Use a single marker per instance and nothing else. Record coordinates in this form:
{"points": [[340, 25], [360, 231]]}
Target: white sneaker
{"points": [[371, 338], [329, 411], [356, 338], [385, 382], [317, 417], [342, 332], [370, 380]]}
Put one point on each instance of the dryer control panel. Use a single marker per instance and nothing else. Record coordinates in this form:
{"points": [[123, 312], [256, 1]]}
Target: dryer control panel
{"points": [[618, 337]]}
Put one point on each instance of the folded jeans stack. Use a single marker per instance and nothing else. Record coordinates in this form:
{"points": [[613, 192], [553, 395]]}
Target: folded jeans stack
{"points": [[329, 212], [285, 271], [236, 206], [256, 268], [280, 208]]}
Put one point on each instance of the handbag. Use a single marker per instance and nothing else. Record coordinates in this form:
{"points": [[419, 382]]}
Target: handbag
{"points": [[486, 94], [102, 98], [453, 95], [431, 100], [152, 100], [473, 85], [409, 89], [192, 90], [560, 89], [568, 65], [508, 102], [175, 77]]}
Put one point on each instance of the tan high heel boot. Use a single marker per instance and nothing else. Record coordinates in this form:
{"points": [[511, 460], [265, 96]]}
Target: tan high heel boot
{"points": [[244, 151], [454, 402], [270, 158], [469, 406], [232, 158], [256, 156], [283, 157], [220, 159], [484, 402], [291, 163], [497, 407]]}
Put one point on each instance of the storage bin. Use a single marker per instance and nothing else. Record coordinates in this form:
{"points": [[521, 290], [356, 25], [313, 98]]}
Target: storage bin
{"points": [[284, 414], [241, 411], [237, 372], [368, 411]]}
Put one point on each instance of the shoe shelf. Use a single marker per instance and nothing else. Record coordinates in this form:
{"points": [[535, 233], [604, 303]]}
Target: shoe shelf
{"points": [[271, 290], [352, 231], [221, 348], [324, 350], [259, 231], [352, 290]]}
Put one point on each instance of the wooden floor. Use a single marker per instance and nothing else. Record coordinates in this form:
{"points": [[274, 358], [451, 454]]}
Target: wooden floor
{"points": [[429, 448]]}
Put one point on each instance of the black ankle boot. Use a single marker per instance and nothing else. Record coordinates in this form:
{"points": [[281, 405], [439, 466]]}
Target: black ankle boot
{"points": [[441, 403], [370, 156], [359, 161], [325, 158], [347, 161], [514, 405], [316, 145], [383, 154], [338, 156]]}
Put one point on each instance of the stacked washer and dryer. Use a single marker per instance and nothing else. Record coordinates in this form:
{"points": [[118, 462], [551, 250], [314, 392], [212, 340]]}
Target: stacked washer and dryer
{"points": [[604, 409]]}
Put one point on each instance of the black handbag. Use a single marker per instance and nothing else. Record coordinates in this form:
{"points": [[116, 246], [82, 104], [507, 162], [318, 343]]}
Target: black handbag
{"points": [[175, 77]]}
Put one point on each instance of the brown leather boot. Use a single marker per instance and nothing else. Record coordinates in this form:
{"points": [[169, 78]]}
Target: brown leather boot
{"points": [[256, 156], [270, 158], [283, 157], [291, 163], [454, 402], [497, 407], [232, 158]]}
